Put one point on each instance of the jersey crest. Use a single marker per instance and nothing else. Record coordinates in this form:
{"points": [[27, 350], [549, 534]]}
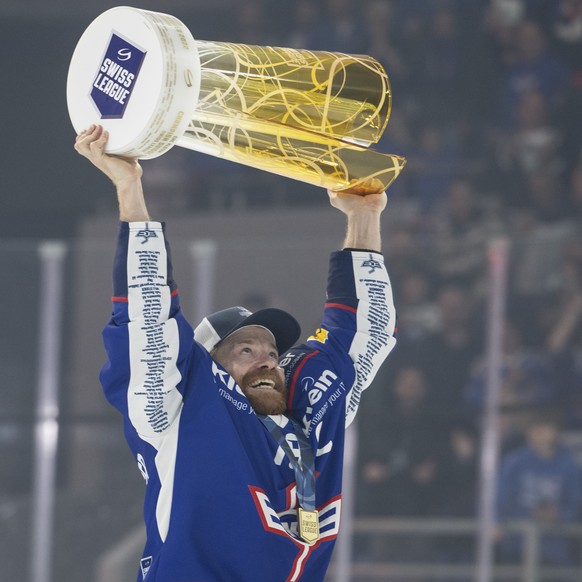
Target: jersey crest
{"points": [[284, 523]]}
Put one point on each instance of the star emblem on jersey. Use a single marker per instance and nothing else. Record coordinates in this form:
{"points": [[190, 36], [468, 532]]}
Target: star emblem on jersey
{"points": [[319, 336], [146, 233], [372, 264]]}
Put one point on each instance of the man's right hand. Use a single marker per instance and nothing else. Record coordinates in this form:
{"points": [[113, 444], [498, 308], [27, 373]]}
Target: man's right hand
{"points": [[90, 143]]}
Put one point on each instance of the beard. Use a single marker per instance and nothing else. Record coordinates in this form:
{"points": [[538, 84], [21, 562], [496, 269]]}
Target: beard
{"points": [[266, 391]]}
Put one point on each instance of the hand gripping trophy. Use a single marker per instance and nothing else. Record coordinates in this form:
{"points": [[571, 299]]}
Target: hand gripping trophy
{"points": [[307, 115]]}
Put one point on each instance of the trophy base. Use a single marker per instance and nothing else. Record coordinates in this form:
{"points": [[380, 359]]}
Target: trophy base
{"points": [[144, 103]]}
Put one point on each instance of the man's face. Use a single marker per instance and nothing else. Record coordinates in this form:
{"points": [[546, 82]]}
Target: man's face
{"points": [[250, 356], [543, 437]]}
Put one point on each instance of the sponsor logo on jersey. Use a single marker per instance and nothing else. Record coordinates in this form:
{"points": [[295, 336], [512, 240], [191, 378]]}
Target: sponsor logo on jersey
{"points": [[231, 390], [372, 264], [145, 564], [116, 77], [316, 389], [293, 357], [291, 360], [319, 336], [327, 386], [223, 377]]}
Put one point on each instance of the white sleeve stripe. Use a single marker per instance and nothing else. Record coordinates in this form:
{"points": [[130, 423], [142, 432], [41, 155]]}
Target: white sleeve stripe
{"points": [[154, 403], [375, 322]]}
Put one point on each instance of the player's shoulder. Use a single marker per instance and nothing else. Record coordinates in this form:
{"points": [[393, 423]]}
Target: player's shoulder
{"points": [[319, 349]]}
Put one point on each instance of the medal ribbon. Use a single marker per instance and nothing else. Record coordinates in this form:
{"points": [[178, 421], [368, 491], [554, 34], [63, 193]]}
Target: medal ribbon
{"points": [[304, 467]]}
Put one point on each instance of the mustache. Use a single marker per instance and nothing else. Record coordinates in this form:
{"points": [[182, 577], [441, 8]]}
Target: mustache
{"points": [[264, 374]]}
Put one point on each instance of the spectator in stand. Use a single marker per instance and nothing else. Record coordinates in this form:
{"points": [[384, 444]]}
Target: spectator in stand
{"points": [[546, 197], [534, 145], [525, 374], [480, 62], [534, 68], [457, 489], [411, 18], [501, 21], [340, 29], [442, 67], [304, 17], [509, 13], [250, 22], [407, 256], [458, 472], [418, 315], [403, 249], [527, 380], [541, 232], [381, 27], [549, 311], [402, 439], [540, 481], [461, 233], [493, 51], [562, 20], [432, 168], [446, 354], [399, 463], [560, 324]]}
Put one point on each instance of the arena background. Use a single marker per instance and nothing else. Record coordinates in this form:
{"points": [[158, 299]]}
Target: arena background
{"points": [[487, 102]]}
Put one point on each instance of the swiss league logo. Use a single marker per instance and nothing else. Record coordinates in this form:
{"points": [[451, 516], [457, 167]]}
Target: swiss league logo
{"points": [[116, 77]]}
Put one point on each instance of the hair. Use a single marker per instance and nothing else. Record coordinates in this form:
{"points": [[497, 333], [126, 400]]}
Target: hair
{"points": [[547, 416]]}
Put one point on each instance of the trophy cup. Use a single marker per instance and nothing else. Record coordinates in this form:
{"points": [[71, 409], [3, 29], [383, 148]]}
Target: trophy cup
{"points": [[306, 115]]}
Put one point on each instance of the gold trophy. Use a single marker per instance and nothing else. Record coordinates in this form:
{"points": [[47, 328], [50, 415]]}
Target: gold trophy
{"points": [[307, 115]]}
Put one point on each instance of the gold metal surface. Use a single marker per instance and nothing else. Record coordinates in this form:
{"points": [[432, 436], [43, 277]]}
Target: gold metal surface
{"points": [[302, 114]]}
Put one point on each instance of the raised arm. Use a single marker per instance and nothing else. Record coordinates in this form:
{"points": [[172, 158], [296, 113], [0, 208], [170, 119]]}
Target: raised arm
{"points": [[358, 328], [147, 339], [125, 173]]}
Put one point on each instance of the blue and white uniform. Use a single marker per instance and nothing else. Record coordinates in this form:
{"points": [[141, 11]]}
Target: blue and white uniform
{"points": [[220, 501]]}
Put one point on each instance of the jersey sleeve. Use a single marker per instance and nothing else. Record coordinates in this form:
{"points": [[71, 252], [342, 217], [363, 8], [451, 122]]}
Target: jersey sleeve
{"points": [[331, 370], [147, 340]]}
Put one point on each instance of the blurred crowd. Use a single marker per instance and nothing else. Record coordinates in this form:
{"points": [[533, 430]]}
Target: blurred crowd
{"points": [[488, 111]]}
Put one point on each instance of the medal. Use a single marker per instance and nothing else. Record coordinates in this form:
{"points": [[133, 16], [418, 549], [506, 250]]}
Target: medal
{"points": [[304, 468], [308, 525]]}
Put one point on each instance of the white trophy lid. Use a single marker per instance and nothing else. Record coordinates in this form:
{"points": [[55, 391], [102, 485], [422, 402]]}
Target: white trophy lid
{"points": [[137, 73]]}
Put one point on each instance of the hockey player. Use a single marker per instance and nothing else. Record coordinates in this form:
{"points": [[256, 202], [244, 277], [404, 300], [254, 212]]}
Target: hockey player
{"points": [[237, 431]]}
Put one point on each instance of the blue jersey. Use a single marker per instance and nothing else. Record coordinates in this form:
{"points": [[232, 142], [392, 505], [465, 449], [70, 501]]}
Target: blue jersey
{"points": [[220, 500], [528, 482]]}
